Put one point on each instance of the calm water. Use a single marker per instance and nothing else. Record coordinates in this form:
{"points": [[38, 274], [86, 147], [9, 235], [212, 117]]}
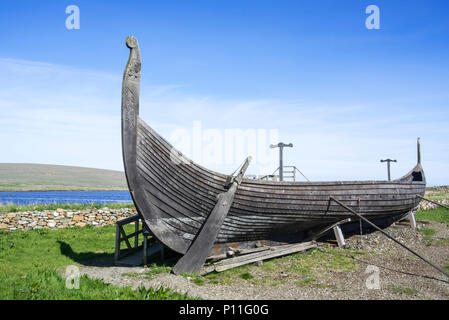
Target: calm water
{"points": [[32, 197]]}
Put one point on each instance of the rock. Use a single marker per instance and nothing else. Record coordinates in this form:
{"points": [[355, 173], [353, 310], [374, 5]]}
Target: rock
{"points": [[51, 223], [11, 215], [3, 226], [80, 224], [77, 218]]}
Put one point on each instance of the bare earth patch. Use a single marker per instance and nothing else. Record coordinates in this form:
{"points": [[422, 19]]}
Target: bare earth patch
{"points": [[323, 273]]}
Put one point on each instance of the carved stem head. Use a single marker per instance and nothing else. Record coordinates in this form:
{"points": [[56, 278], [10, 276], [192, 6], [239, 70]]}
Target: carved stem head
{"points": [[131, 42]]}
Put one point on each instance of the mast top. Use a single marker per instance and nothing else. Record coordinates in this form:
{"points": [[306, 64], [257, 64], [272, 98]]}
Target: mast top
{"points": [[419, 151]]}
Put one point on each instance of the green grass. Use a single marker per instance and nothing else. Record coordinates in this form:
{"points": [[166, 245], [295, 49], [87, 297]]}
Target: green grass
{"points": [[48, 285], [29, 261], [428, 232], [198, 281], [66, 206], [305, 282], [404, 290], [246, 276], [23, 176], [158, 269], [437, 214], [317, 260], [277, 271], [437, 193], [305, 267]]}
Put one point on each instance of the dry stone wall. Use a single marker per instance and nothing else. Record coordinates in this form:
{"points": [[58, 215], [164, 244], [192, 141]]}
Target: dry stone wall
{"points": [[60, 218]]}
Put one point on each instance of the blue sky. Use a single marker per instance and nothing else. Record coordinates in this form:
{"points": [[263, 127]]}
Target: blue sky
{"points": [[344, 95]]}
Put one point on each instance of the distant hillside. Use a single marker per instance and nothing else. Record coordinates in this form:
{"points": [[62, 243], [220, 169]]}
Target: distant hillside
{"points": [[24, 176]]}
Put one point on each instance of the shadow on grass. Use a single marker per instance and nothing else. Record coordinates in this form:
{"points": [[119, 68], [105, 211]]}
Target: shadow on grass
{"points": [[100, 259], [92, 259]]}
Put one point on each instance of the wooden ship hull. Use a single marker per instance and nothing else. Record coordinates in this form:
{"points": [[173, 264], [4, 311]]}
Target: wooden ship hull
{"points": [[176, 196]]}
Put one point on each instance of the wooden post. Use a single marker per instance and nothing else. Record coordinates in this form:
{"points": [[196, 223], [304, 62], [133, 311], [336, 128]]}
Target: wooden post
{"points": [[388, 166], [412, 219], [281, 146], [136, 230], [117, 242], [339, 236], [145, 244]]}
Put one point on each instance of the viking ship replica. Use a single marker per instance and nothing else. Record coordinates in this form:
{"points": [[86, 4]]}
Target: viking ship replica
{"points": [[193, 210]]}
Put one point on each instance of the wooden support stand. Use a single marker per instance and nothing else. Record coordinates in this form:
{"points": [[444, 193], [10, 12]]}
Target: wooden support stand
{"points": [[411, 217], [324, 231], [147, 251], [339, 236], [121, 236]]}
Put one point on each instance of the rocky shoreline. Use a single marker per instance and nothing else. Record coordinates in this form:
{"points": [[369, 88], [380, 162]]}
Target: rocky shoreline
{"points": [[61, 218]]}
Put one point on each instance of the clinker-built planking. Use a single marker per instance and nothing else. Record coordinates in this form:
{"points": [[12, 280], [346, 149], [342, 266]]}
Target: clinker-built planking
{"points": [[176, 196]]}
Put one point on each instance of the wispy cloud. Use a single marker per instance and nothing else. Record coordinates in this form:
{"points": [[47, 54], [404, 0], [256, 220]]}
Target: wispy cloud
{"points": [[63, 115]]}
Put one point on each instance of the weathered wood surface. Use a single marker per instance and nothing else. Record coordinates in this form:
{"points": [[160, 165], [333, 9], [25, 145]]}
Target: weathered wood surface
{"points": [[273, 252], [175, 195], [237, 252], [193, 260], [322, 232]]}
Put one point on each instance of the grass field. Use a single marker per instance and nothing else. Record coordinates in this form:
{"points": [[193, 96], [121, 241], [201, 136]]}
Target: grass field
{"points": [[437, 193], [437, 214], [40, 177], [67, 206], [29, 260]]}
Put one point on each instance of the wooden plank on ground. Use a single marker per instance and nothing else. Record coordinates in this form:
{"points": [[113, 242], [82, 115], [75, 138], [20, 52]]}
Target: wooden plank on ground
{"points": [[239, 252], [258, 256]]}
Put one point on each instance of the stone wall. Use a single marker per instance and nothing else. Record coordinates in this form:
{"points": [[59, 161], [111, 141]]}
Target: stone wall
{"points": [[60, 218], [426, 205]]}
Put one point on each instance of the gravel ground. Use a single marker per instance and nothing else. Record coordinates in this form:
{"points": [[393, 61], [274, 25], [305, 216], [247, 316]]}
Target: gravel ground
{"points": [[401, 274]]}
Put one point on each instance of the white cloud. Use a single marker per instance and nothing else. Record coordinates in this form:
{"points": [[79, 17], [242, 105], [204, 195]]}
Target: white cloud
{"points": [[62, 115]]}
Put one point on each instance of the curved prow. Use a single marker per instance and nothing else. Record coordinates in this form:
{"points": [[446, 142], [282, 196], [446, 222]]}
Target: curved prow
{"points": [[130, 110], [417, 173]]}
